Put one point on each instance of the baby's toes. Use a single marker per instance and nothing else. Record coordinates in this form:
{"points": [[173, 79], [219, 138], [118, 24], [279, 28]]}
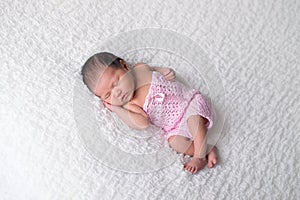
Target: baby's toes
{"points": [[211, 162], [195, 170], [189, 168], [215, 161], [186, 167]]}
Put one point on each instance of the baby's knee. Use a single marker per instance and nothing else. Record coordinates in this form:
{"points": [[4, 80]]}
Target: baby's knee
{"points": [[179, 143], [196, 122]]}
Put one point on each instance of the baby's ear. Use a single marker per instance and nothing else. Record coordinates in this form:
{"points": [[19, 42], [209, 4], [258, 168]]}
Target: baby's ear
{"points": [[123, 64]]}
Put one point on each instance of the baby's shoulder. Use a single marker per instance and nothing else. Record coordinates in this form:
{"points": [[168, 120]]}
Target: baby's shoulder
{"points": [[142, 65], [142, 71]]}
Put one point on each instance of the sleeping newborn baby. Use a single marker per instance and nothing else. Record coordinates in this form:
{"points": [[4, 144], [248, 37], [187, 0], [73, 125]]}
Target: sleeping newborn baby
{"points": [[142, 95]]}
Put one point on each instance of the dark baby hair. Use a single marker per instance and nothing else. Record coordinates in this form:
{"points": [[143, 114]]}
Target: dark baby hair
{"points": [[95, 65]]}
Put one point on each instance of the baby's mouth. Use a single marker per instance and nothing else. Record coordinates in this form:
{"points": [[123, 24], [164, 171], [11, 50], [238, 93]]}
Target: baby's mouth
{"points": [[124, 96]]}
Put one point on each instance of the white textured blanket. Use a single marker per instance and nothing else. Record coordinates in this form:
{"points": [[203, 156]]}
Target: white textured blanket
{"points": [[254, 46]]}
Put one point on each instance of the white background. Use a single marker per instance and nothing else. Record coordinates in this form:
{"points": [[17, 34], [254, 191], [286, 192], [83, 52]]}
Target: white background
{"points": [[255, 45]]}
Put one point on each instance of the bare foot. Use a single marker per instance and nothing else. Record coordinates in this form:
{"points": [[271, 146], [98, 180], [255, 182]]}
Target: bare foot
{"points": [[195, 165], [212, 158]]}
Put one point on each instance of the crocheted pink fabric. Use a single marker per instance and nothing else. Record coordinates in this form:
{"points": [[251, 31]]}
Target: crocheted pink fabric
{"points": [[169, 104]]}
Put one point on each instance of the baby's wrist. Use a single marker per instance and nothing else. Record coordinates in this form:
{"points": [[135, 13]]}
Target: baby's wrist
{"points": [[154, 69]]}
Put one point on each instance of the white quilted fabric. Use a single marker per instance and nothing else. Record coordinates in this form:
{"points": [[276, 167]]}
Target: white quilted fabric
{"points": [[255, 45]]}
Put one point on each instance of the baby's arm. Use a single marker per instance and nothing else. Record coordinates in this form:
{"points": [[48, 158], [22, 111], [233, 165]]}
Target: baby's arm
{"points": [[132, 115], [168, 73]]}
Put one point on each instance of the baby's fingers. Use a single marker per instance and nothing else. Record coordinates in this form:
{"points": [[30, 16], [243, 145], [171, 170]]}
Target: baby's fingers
{"points": [[170, 75], [108, 106]]}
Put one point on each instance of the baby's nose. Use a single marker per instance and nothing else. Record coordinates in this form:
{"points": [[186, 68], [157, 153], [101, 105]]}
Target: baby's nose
{"points": [[117, 92]]}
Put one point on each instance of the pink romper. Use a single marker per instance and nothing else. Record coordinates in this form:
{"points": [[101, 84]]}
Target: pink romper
{"points": [[170, 103]]}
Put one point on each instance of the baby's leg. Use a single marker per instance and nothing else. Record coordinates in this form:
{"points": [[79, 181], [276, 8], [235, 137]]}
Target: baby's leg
{"points": [[212, 157], [184, 145], [197, 128], [181, 144], [197, 148]]}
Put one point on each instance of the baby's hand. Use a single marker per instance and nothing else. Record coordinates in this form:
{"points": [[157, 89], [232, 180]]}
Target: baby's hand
{"points": [[107, 105], [168, 73], [110, 107]]}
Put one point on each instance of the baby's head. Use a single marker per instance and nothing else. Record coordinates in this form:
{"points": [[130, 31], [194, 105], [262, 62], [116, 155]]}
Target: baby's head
{"points": [[94, 67], [106, 76]]}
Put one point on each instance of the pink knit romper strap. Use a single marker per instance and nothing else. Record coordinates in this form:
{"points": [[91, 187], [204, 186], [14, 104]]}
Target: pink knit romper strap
{"points": [[170, 103]]}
